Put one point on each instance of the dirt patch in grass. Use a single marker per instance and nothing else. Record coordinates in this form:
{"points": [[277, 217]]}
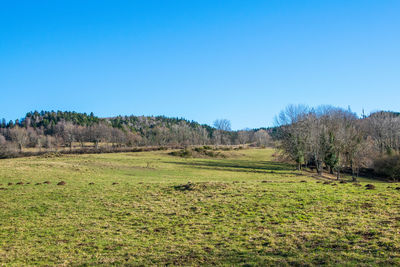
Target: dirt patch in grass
{"points": [[367, 205], [200, 186], [51, 155]]}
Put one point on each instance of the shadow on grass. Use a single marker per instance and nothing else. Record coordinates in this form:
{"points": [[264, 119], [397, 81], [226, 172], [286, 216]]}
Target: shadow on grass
{"points": [[238, 165]]}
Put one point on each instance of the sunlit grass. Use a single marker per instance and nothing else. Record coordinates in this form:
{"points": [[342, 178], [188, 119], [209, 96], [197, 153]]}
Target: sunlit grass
{"points": [[244, 209]]}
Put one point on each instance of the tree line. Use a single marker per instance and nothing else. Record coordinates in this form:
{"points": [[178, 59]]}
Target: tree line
{"points": [[50, 130], [336, 139]]}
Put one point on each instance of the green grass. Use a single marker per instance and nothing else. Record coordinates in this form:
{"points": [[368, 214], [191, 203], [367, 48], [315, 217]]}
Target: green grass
{"points": [[242, 210]]}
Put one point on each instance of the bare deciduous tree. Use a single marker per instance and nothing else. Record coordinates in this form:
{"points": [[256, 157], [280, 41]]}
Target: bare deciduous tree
{"points": [[262, 138], [293, 133], [19, 136], [222, 124]]}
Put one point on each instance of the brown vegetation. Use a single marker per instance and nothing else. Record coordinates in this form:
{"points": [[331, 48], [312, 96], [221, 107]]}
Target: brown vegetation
{"points": [[46, 133], [335, 140]]}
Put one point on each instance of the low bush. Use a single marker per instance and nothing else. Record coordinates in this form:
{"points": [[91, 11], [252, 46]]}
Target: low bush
{"points": [[388, 166], [8, 150], [197, 152], [184, 153]]}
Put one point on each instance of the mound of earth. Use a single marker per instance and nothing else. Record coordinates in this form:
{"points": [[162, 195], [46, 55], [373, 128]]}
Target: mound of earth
{"points": [[200, 186]]}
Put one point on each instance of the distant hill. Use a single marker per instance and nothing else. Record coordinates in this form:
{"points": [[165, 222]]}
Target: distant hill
{"points": [[54, 129]]}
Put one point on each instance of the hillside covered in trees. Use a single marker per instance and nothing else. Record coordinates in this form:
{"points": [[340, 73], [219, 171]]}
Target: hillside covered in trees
{"points": [[335, 139], [53, 130]]}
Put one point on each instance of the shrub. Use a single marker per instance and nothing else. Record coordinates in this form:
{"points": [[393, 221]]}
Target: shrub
{"points": [[197, 152], [184, 153], [199, 149], [8, 150], [388, 166]]}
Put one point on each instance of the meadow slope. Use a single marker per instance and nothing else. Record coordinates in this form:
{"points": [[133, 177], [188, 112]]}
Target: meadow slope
{"points": [[140, 209]]}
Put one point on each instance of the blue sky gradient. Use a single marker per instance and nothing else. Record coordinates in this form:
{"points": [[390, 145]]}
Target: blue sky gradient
{"points": [[201, 60]]}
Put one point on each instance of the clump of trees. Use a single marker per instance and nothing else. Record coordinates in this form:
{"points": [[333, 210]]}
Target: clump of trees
{"points": [[49, 130], [389, 166], [335, 139]]}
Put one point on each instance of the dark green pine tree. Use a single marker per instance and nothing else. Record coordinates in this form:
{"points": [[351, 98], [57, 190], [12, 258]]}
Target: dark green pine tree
{"points": [[331, 158]]}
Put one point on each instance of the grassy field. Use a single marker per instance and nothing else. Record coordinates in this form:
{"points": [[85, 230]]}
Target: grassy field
{"points": [[242, 210]]}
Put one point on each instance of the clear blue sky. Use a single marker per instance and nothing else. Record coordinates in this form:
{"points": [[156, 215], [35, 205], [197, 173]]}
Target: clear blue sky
{"points": [[202, 60]]}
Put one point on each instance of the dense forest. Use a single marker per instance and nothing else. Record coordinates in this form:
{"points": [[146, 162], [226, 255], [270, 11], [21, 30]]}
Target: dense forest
{"points": [[334, 139], [63, 131]]}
